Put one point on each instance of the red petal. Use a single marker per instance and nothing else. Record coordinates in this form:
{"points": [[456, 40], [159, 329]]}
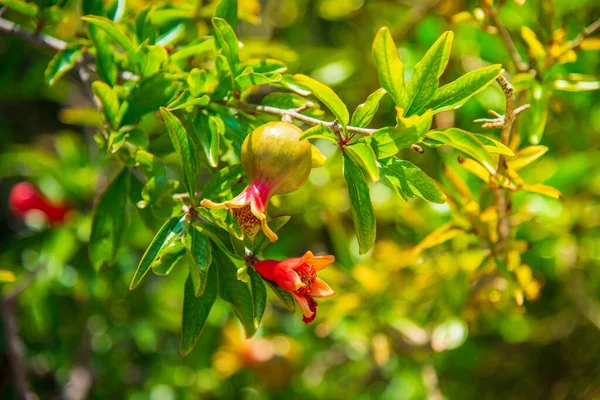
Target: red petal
{"points": [[266, 268]]}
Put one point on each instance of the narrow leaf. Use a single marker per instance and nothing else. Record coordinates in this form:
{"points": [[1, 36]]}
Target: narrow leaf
{"points": [[198, 248], [105, 57], [363, 215], [389, 67], [362, 154], [234, 291], [465, 142], [228, 43], [526, 156], [364, 113], [327, 97], [259, 296], [493, 146], [543, 189], [108, 222], [533, 121], [424, 81], [249, 79], [319, 132], [168, 258], [110, 102], [184, 148], [115, 34], [196, 311], [27, 8], [148, 96], [286, 298], [166, 235], [61, 63], [455, 94], [405, 178], [228, 10]]}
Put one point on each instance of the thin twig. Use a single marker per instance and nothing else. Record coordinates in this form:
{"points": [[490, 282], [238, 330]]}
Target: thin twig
{"points": [[575, 43], [520, 65], [499, 121]]}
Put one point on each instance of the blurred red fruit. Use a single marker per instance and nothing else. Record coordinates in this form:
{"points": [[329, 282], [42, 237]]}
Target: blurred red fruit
{"points": [[25, 197]]}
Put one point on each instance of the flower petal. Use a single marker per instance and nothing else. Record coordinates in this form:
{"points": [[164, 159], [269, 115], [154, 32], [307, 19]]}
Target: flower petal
{"points": [[320, 289], [266, 268], [320, 262], [262, 217], [287, 278], [304, 306]]}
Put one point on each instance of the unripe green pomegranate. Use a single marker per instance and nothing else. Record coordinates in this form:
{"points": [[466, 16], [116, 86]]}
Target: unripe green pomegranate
{"points": [[276, 162]]}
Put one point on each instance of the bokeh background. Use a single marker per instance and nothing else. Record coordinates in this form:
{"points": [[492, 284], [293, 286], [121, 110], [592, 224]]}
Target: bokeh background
{"points": [[401, 326]]}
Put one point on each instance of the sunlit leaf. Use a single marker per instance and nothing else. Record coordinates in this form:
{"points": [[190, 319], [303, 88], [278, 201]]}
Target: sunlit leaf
{"points": [[110, 102], [526, 156], [228, 10], [199, 251], [493, 146], [105, 55], [24, 7], [261, 241], [465, 142], [61, 63], [424, 81], [319, 132], [389, 67], [184, 148], [455, 94], [405, 178], [542, 189], [227, 41], [326, 96], [362, 154], [167, 234], [116, 34], [364, 113]]}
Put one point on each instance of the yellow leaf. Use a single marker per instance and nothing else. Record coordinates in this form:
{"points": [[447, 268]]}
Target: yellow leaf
{"points": [[526, 156], [439, 236], [475, 168], [543, 189], [536, 49], [590, 44], [7, 276]]}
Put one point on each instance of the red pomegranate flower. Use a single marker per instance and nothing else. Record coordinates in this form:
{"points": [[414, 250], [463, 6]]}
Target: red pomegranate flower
{"points": [[299, 277]]}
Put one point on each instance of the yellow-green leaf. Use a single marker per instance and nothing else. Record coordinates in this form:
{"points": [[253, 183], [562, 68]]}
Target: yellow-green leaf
{"points": [[389, 67], [327, 97]]}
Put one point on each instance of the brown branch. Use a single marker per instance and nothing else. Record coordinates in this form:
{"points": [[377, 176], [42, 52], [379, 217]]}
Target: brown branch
{"points": [[520, 65], [14, 346], [502, 204]]}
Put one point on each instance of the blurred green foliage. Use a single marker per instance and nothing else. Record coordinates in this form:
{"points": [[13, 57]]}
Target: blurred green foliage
{"points": [[439, 322]]}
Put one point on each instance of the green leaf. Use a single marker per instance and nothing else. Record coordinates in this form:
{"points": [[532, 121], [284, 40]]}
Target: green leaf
{"points": [[228, 43], [234, 291], [533, 121], [465, 142], [196, 81], [364, 113], [250, 79], [151, 59], [362, 154], [209, 129], [219, 236], [196, 311], [61, 63], [92, 7], [424, 82], [221, 184], [108, 222], [148, 96], [115, 34], [198, 248], [228, 10], [455, 94], [266, 66], [286, 298], [259, 296], [406, 179], [184, 147], [28, 8], [493, 146], [110, 102], [363, 215], [188, 102], [319, 132], [168, 258], [193, 49], [261, 241], [389, 67], [156, 175], [327, 97], [389, 141], [105, 57], [165, 236]]}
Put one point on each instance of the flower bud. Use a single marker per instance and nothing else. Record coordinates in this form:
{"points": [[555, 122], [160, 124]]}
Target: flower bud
{"points": [[276, 161]]}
